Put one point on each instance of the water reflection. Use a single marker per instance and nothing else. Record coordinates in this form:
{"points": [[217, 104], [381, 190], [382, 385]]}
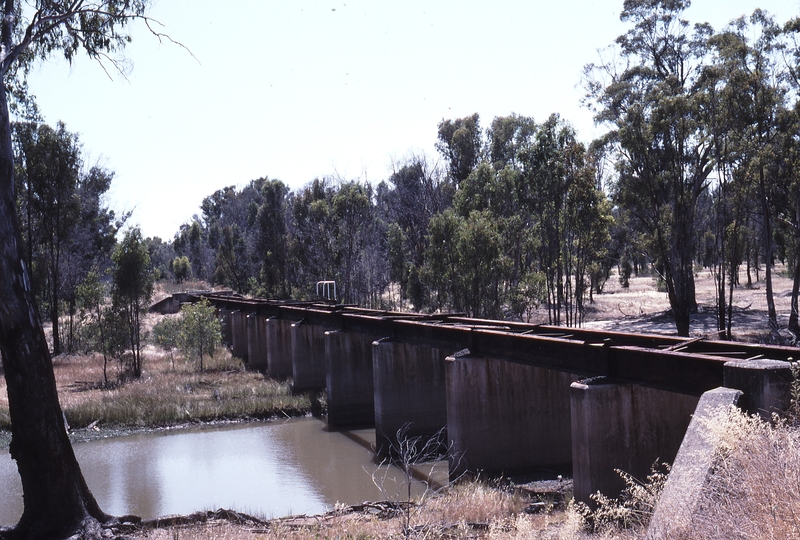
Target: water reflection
{"points": [[270, 469]]}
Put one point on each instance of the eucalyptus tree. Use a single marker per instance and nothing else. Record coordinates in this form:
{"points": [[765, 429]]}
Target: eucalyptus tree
{"points": [[571, 215], [225, 238], [352, 213], [745, 97], [460, 142], [57, 501], [417, 190], [787, 202], [790, 218], [312, 240], [272, 239], [133, 289], [49, 167], [650, 101]]}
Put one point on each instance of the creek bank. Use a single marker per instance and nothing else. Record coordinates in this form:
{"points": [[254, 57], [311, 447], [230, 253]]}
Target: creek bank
{"points": [[94, 433], [381, 519]]}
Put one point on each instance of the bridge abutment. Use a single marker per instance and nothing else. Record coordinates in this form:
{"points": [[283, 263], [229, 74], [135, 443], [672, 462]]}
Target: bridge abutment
{"points": [[504, 417], [349, 383], [409, 389], [622, 426]]}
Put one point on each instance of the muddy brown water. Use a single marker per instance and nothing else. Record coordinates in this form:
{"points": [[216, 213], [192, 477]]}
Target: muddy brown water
{"points": [[267, 469]]}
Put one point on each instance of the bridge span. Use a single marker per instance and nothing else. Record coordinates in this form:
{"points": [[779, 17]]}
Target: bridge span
{"points": [[513, 397]]}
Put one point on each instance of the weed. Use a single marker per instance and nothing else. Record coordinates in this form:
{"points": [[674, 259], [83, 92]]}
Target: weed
{"points": [[753, 491], [631, 511]]}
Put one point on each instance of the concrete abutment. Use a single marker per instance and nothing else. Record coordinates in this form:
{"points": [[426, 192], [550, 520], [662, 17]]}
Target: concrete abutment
{"points": [[308, 356], [239, 334], [256, 342]]}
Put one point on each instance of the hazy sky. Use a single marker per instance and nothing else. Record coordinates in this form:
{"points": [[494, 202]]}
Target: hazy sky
{"points": [[298, 89]]}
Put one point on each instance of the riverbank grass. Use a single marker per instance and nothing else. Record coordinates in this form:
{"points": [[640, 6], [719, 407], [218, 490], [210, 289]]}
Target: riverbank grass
{"points": [[170, 392]]}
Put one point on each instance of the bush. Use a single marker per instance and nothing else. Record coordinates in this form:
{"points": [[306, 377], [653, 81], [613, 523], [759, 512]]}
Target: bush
{"points": [[200, 331]]}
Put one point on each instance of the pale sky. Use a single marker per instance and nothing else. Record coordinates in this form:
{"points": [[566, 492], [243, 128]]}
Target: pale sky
{"points": [[299, 89]]}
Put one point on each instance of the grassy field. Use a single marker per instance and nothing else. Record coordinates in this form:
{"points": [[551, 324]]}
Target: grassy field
{"points": [[170, 392]]}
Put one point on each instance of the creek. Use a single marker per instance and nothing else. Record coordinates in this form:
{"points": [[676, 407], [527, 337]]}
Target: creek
{"points": [[267, 469]]}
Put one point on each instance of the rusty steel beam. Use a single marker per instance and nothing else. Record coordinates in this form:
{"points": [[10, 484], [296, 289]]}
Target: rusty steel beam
{"points": [[689, 366]]}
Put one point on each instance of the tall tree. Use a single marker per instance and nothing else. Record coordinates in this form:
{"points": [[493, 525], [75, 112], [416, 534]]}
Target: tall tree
{"points": [[133, 289], [352, 210], [312, 244], [791, 160], [272, 239], [461, 144], [49, 167], [665, 155], [419, 191], [57, 500]]}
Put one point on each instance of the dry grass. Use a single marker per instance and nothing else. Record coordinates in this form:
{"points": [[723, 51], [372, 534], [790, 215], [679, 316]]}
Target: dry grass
{"points": [[754, 492], [164, 395], [467, 510]]}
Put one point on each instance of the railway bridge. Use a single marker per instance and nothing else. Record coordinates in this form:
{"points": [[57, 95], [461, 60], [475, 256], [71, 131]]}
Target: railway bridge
{"points": [[513, 397]]}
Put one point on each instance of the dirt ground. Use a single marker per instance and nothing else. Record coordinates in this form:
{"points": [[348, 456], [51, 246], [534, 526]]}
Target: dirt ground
{"points": [[642, 308]]}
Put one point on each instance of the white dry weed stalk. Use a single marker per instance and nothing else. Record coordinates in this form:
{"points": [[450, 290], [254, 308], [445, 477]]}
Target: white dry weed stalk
{"points": [[576, 524], [630, 512]]}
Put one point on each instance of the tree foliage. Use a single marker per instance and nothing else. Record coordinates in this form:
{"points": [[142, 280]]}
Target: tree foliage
{"points": [[199, 331], [133, 289]]}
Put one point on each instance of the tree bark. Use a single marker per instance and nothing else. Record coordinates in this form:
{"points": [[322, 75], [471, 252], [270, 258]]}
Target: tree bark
{"points": [[794, 325], [773, 316], [57, 501]]}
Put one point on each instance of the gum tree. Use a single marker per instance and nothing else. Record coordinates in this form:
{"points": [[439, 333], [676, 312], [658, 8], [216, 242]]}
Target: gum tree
{"points": [[57, 501], [651, 102]]}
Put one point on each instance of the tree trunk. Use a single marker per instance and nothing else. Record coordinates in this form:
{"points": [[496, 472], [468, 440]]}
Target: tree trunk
{"points": [[57, 500], [794, 324], [773, 316]]}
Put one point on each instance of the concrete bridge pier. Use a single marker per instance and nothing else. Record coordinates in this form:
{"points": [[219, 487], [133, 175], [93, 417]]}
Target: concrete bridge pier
{"points": [[256, 342], [622, 426], [308, 356], [504, 417], [226, 327], [349, 383], [409, 389], [279, 348], [239, 334], [766, 385]]}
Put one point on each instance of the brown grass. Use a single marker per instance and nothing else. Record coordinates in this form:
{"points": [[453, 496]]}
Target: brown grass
{"points": [[755, 490], [467, 510], [164, 395]]}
